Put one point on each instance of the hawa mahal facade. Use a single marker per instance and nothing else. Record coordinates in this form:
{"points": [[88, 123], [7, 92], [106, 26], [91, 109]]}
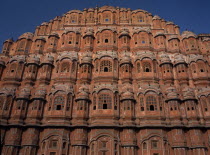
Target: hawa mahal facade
{"points": [[105, 81]]}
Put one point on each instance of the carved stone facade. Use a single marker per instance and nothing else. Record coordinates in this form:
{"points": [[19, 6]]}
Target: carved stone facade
{"points": [[106, 81]]}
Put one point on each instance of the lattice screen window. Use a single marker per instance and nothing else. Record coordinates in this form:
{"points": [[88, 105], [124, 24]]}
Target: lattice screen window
{"points": [[53, 144], [147, 67], [58, 103], [105, 101], [65, 67], [106, 66], [151, 103]]}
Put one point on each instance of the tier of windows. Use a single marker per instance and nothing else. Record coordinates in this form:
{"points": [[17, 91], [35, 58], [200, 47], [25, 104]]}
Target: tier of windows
{"points": [[106, 37]]}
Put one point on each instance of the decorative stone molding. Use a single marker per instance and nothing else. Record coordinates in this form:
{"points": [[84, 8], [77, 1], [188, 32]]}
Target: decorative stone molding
{"points": [[7, 91], [72, 55], [33, 59], [188, 93], [205, 91], [141, 29], [102, 28], [40, 93], [164, 58], [146, 88], [89, 32], [195, 58], [100, 54], [171, 93], [156, 17], [66, 89], [146, 54], [83, 93], [18, 58], [178, 58], [48, 59], [98, 88], [24, 93], [124, 32]]}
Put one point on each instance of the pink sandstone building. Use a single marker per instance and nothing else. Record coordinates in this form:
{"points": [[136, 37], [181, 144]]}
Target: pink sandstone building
{"points": [[105, 81]]}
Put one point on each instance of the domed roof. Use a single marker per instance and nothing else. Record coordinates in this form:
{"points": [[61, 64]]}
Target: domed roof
{"points": [[106, 7], [156, 17], [9, 40], [169, 23], [27, 35], [44, 23], [187, 34]]}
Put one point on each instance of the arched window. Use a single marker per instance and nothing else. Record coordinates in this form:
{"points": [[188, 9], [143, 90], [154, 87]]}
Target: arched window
{"points": [[203, 101], [105, 101], [201, 66], [1, 102], [147, 67], [58, 103], [193, 68], [53, 144], [151, 103], [106, 66], [106, 40], [65, 67], [144, 145], [140, 18], [142, 103], [13, 68], [21, 45], [138, 67]]}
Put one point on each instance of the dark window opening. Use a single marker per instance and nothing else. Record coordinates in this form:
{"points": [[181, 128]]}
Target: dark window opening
{"points": [[106, 69], [77, 43], [151, 108], [206, 109], [104, 106], [135, 42], [69, 42], [147, 70], [58, 107], [12, 71], [202, 70], [94, 107], [142, 108], [115, 107], [154, 144], [106, 40]]}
